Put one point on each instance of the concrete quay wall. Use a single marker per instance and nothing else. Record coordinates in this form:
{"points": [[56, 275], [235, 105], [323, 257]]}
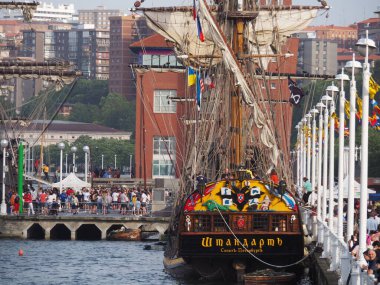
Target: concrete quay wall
{"points": [[44, 227]]}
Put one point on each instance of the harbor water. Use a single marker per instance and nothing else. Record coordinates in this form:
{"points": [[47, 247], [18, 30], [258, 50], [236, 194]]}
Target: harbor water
{"points": [[85, 262]]}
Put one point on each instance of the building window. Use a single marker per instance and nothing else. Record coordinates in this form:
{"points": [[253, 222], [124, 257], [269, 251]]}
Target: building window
{"points": [[162, 103], [273, 85], [163, 156]]}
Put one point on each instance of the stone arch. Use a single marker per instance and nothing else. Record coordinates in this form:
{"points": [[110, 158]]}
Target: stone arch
{"points": [[35, 231], [60, 232], [88, 232], [114, 227]]}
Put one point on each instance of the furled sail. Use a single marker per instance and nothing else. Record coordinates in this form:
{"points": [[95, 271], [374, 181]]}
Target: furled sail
{"points": [[271, 25]]}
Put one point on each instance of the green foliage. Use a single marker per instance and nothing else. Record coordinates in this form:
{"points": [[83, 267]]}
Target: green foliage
{"points": [[108, 147]]}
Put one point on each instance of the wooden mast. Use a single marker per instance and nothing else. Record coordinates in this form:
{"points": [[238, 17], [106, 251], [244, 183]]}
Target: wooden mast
{"points": [[239, 20]]}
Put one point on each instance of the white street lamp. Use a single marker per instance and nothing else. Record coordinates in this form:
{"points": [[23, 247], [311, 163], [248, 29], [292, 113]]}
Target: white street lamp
{"points": [[66, 163], [308, 149], [331, 91], [352, 66], [320, 106], [86, 150], [342, 77], [303, 146], [74, 149], [4, 145], [61, 147], [367, 45], [298, 173], [313, 113], [326, 99], [326, 244], [130, 166]]}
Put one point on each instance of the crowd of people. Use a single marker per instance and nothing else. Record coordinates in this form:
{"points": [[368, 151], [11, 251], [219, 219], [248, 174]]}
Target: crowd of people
{"points": [[102, 200]]}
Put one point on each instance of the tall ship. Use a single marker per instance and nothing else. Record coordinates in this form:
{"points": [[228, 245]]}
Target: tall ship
{"points": [[232, 217]]}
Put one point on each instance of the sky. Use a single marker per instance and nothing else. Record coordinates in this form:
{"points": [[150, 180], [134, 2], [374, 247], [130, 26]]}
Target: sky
{"points": [[342, 12]]}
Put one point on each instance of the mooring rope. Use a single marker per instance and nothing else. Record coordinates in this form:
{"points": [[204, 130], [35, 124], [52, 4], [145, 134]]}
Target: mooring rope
{"points": [[254, 256]]}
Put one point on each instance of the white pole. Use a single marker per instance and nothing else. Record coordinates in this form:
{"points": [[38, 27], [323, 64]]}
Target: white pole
{"points": [[308, 154], [298, 155], [85, 167], [73, 162], [304, 150], [351, 165], [66, 163], [60, 170], [130, 166], [364, 157], [340, 157], [319, 178], [331, 166], [115, 161], [102, 161], [3, 205], [325, 155], [313, 156]]}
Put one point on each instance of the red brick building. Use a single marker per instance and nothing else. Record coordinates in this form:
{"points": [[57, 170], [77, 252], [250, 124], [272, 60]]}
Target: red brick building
{"points": [[158, 124]]}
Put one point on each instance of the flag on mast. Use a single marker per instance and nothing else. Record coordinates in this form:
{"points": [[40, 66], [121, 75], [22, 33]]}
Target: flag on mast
{"points": [[199, 91], [191, 77], [199, 29], [296, 93], [373, 88], [194, 10]]}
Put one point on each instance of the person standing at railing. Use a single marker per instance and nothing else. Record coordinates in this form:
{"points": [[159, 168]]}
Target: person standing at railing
{"points": [[372, 222], [306, 189]]}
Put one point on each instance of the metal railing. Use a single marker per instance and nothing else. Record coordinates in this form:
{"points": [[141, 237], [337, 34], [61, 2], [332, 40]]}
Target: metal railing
{"points": [[337, 251]]}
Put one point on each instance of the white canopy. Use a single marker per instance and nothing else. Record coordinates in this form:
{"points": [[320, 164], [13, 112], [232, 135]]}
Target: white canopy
{"points": [[72, 181], [356, 189]]}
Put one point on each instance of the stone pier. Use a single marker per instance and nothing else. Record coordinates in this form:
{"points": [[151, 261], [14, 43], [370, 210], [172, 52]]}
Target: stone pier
{"points": [[75, 227]]}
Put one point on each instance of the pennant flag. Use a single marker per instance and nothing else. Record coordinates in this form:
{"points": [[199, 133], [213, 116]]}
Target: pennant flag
{"points": [[347, 108], [359, 112], [194, 10], [296, 93], [373, 88], [191, 77], [199, 91], [199, 29]]}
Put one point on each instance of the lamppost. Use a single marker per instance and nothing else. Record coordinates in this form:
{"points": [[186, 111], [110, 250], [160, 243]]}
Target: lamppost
{"points": [[331, 90], [326, 99], [342, 77], [61, 147], [352, 66], [102, 161], [313, 113], [115, 161], [74, 150], [130, 166], [308, 148], [320, 106], [298, 156], [66, 163], [86, 150], [364, 47], [4, 144]]}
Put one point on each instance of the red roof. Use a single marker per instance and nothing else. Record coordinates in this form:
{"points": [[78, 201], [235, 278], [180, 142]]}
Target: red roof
{"points": [[329, 27], [154, 41], [370, 20]]}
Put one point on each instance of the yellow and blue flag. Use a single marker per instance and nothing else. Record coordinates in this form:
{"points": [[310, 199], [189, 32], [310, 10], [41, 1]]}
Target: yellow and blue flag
{"points": [[191, 77], [373, 88]]}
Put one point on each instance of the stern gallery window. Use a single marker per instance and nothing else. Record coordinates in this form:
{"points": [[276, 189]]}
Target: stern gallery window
{"points": [[162, 103]]}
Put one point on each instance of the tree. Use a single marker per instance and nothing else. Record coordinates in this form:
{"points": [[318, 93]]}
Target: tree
{"points": [[117, 112]]}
